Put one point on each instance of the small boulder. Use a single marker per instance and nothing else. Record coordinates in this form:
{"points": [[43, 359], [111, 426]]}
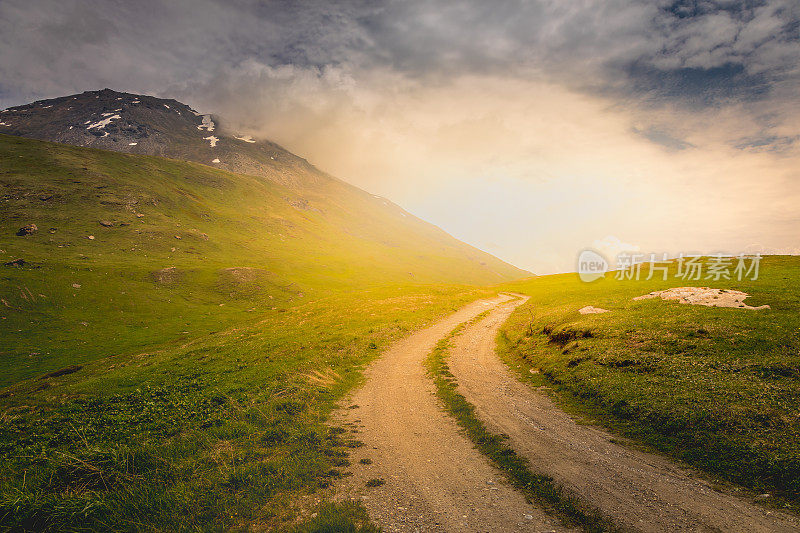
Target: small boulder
{"points": [[106, 223], [16, 263], [28, 229]]}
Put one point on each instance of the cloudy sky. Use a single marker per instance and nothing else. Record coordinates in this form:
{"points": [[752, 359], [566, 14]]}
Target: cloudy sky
{"points": [[531, 129]]}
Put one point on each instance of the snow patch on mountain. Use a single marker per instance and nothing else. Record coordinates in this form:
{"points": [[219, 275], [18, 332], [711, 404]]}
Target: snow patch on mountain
{"points": [[207, 124], [212, 139], [103, 123], [245, 138]]}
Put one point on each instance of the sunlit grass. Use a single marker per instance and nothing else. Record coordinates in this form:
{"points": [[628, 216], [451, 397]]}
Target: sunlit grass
{"points": [[197, 396], [77, 298]]}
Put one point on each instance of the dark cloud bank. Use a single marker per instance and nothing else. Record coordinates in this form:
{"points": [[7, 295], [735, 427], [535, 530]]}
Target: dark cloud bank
{"points": [[696, 52]]}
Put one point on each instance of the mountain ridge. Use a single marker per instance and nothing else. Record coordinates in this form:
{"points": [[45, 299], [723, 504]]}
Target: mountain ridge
{"points": [[148, 125]]}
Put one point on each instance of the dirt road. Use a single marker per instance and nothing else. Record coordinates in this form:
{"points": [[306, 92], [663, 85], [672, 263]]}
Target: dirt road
{"points": [[639, 491], [435, 480]]}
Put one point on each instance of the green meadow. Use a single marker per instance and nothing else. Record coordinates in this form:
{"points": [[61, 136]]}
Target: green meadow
{"points": [[175, 336], [715, 387], [220, 432]]}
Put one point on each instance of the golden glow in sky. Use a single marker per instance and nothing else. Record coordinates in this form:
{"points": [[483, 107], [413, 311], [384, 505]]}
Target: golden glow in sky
{"points": [[534, 172]]}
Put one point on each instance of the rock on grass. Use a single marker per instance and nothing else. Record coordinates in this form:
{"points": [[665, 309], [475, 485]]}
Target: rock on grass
{"points": [[27, 229]]}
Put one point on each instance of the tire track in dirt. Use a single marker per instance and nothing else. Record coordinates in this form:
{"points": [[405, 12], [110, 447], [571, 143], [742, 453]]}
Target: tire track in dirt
{"points": [[637, 490], [435, 480]]}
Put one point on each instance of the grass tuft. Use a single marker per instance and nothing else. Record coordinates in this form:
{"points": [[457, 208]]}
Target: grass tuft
{"points": [[348, 517]]}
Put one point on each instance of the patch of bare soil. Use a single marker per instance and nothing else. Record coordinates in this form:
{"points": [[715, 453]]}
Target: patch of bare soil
{"points": [[590, 310], [167, 275], [703, 296]]}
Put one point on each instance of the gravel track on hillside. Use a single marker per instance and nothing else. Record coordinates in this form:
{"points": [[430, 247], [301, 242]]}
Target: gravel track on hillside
{"points": [[435, 480], [639, 491]]}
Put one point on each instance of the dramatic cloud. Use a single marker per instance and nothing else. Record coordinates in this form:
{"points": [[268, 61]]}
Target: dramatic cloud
{"points": [[529, 128]]}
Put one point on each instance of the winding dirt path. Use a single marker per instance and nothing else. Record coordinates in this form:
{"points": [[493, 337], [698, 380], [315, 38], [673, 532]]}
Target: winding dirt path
{"points": [[435, 480], [639, 491]]}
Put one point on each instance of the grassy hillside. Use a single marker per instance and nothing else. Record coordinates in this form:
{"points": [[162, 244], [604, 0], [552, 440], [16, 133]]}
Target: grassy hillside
{"points": [[133, 251], [175, 335], [717, 387]]}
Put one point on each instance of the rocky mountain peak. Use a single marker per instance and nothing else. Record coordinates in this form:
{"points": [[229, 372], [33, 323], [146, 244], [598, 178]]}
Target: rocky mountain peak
{"points": [[141, 124]]}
